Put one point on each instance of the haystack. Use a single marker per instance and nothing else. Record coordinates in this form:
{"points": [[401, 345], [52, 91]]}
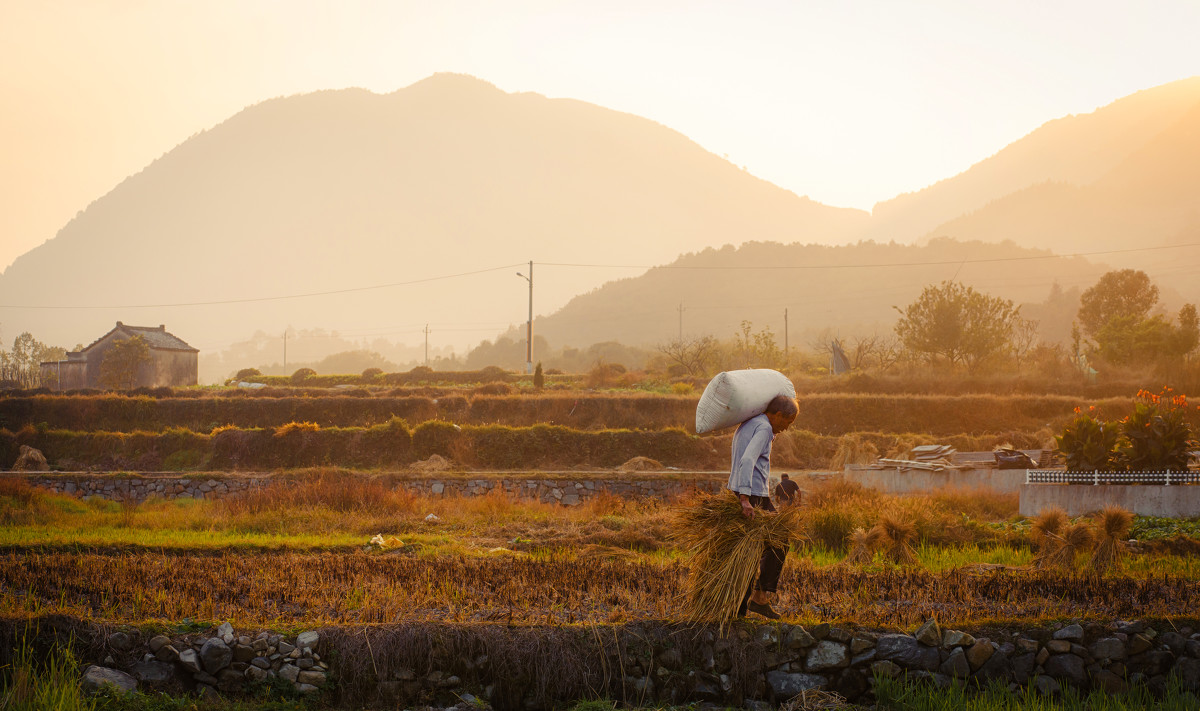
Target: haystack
{"points": [[727, 547], [894, 535], [435, 463], [641, 464], [1112, 526]]}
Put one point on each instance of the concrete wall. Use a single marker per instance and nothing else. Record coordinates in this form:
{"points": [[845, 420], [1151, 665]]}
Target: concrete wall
{"points": [[178, 369], [918, 481], [1076, 499]]}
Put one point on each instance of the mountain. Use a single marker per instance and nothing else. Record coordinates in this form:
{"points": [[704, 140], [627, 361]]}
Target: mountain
{"points": [[374, 216], [848, 289], [1146, 200], [1075, 150], [347, 190]]}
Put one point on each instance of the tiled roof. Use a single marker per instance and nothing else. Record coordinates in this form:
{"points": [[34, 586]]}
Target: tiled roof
{"points": [[156, 337]]}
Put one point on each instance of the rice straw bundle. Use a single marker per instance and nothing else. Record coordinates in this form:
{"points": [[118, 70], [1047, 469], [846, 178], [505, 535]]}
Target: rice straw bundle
{"points": [[1048, 521], [727, 548], [1075, 538], [862, 548], [1112, 530], [1045, 533], [895, 535]]}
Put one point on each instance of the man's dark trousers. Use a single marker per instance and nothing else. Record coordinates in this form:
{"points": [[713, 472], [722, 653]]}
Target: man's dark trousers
{"points": [[772, 559]]}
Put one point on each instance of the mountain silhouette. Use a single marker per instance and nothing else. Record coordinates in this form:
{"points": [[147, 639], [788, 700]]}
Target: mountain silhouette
{"points": [[827, 290], [1073, 151], [341, 190], [373, 215]]}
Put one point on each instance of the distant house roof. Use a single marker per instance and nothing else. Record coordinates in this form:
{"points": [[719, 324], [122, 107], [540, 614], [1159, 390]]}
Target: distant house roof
{"points": [[156, 336]]}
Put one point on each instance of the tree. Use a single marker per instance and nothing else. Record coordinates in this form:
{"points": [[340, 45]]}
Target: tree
{"points": [[757, 350], [21, 367], [1187, 333], [1024, 338], [120, 365], [957, 323], [693, 355], [1123, 293]]}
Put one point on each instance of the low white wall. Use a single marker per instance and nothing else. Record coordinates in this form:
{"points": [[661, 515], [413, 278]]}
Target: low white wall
{"points": [[1143, 500], [917, 481]]}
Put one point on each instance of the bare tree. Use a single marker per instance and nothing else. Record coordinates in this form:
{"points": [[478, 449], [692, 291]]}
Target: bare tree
{"points": [[692, 354], [1024, 338]]}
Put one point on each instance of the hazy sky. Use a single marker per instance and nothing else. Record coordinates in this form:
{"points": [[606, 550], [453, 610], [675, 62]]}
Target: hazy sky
{"points": [[847, 102]]}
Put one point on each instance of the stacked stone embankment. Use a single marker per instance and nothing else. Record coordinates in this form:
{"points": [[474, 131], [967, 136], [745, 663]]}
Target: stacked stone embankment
{"points": [[647, 663], [568, 491]]}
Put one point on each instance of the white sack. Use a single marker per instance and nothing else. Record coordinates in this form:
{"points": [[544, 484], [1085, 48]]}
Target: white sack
{"points": [[735, 396]]}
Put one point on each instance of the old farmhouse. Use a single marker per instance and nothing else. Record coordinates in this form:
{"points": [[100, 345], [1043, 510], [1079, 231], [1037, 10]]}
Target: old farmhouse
{"points": [[172, 361]]}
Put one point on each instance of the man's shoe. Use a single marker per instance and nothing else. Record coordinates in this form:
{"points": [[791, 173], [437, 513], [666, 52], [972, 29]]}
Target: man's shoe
{"points": [[764, 610]]}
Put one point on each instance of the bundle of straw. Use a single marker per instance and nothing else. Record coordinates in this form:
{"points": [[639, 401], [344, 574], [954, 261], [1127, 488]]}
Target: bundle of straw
{"points": [[1045, 533], [1075, 538], [862, 548], [1112, 530], [727, 548], [895, 536]]}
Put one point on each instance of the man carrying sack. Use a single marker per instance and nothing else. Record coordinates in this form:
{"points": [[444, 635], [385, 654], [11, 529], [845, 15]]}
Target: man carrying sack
{"points": [[749, 474]]}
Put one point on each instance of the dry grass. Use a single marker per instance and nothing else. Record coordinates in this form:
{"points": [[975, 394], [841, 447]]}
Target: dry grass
{"points": [[1112, 530], [727, 547], [834, 509], [853, 449], [285, 589]]}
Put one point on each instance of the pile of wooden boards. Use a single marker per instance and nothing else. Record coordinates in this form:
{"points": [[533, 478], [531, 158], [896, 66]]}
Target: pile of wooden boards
{"points": [[933, 457]]}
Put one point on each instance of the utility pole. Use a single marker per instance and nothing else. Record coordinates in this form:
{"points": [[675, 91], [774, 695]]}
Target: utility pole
{"points": [[426, 345], [681, 310], [786, 350], [529, 323]]}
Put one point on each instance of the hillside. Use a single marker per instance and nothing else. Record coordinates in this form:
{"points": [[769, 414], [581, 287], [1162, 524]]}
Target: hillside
{"points": [[850, 289], [1147, 200], [341, 190], [1075, 150]]}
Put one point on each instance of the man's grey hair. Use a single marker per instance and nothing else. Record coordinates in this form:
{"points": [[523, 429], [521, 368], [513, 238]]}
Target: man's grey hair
{"points": [[783, 405]]}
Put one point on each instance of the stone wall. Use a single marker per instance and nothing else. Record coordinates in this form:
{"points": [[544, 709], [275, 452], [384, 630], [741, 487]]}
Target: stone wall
{"points": [[750, 665], [563, 489]]}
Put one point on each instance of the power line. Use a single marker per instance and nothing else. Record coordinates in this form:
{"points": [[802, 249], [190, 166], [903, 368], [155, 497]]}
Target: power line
{"points": [[274, 298], [873, 264]]}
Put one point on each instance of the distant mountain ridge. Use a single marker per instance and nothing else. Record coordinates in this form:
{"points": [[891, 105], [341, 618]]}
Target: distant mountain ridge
{"points": [[1074, 150], [848, 290], [344, 192], [337, 190]]}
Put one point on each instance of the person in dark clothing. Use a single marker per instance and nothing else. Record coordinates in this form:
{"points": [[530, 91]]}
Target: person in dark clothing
{"points": [[787, 492], [748, 477]]}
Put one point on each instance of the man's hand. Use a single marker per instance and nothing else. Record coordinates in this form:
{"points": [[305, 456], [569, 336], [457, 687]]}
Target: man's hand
{"points": [[747, 510]]}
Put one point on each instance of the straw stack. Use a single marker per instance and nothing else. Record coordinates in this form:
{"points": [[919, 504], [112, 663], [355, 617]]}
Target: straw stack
{"points": [[727, 547], [1112, 530]]}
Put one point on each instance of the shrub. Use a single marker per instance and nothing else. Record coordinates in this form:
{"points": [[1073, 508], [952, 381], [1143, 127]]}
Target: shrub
{"points": [[1156, 435], [831, 527], [539, 378], [1087, 443], [372, 373], [247, 373], [435, 437], [302, 374]]}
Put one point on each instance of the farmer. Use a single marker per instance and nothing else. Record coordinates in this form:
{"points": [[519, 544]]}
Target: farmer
{"points": [[748, 476], [787, 492]]}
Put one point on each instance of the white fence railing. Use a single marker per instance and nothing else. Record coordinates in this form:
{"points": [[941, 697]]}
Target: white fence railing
{"points": [[1100, 477]]}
